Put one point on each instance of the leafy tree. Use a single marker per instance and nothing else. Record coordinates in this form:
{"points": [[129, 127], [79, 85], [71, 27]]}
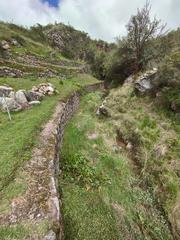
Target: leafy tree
{"points": [[141, 29]]}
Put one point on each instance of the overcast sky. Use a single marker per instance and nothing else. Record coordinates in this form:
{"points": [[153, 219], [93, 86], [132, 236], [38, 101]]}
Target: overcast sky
{"points": [[105, 19]]}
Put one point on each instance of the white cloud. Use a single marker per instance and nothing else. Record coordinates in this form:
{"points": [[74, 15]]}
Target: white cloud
{"points": [[100, 18]]}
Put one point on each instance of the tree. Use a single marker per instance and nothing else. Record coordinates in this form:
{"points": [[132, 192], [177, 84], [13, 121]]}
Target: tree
{"points": [[141, 29]]}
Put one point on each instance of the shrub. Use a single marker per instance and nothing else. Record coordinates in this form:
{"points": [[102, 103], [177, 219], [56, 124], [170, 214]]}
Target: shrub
{"points": [[169, 70], [119, 64]]}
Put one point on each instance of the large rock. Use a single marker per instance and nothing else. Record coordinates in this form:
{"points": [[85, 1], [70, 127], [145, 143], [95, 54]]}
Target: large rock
{"points": [[5, 91], [10, 103], [33, 96], [21, 97], [144, 84]]}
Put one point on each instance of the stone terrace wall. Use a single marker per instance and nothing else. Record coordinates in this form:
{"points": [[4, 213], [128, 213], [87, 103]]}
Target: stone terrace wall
{"points": [[66, 114]]}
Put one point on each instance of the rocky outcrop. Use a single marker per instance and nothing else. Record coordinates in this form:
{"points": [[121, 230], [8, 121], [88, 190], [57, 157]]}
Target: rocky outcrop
{"points": [[144, 84]]}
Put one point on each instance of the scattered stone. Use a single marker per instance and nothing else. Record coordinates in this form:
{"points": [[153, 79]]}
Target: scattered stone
{"points": [[45, 89], [24, 99], [21, 97], [5, 91], [10, 103]]}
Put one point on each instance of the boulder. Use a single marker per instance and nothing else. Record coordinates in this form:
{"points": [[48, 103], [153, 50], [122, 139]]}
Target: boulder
{"points": [[33, 96], [5, 91], [144, 84], [10, 103], [21, 97]]}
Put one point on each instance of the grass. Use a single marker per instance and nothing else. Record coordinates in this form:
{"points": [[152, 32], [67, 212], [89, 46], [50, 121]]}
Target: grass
{"points": [[151, 127], [19, 136], [115, 208], [26, 231]]}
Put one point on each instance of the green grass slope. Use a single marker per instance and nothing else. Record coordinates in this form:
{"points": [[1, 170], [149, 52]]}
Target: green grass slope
{"points": [[102, 195]]}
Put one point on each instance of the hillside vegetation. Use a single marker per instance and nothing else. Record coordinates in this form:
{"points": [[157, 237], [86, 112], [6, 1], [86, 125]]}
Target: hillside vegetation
{"points": [[120, 157]]}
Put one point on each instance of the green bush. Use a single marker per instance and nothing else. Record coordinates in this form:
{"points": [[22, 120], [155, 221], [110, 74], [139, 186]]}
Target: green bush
{"points": [[169, 70], [119, 64]]}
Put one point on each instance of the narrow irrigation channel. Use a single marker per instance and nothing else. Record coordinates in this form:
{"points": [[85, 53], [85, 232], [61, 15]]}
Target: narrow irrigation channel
{"points": [[100, 192]]}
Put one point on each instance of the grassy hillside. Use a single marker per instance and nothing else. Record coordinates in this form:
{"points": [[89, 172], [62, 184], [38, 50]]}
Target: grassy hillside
{"points": [[154, 134], [103, 192]]}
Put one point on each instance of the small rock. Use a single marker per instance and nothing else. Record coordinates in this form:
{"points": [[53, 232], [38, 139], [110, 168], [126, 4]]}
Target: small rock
{"points": [[50, 236], [34, 103], [92, 136], [129, 146]]}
